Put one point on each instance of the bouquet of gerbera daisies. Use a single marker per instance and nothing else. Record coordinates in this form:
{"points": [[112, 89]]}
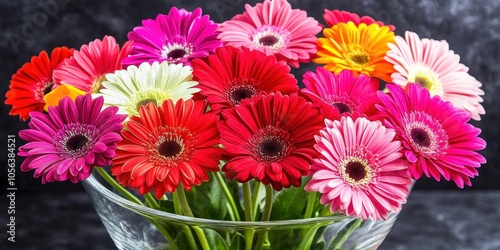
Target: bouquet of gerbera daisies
{"points": [[188, 106]]}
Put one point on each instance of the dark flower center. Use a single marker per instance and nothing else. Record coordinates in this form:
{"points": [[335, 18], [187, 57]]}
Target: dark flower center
{"points": [[268, 40], [238, 93], [360, 59], [145, 102], [422, 81], [342, 107], [355, 170], [47, 88], [420, 137], [176, 53], [76, 142], [169, 149], [271, 148]]}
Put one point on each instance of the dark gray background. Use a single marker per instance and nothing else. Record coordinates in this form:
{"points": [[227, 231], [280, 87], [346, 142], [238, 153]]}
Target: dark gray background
{"points": [[471, 28]]}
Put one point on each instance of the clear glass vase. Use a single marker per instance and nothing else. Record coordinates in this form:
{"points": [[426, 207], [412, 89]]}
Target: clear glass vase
{"points": [[132, 226]]}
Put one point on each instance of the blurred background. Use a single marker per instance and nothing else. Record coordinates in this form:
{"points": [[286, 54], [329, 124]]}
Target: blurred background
{"points": [[29, 26]]}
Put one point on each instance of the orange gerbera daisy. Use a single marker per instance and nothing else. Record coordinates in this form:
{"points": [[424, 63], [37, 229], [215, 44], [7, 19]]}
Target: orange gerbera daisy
{"points": [[360, 49]]}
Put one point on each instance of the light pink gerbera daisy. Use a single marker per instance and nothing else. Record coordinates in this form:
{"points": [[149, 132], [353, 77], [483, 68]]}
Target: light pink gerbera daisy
{"points": [[176, 38], [360, 172], [437, 139], [87, 68], [274, 28], [72, 138], [343, 93], [433, 65], [333, 17]]}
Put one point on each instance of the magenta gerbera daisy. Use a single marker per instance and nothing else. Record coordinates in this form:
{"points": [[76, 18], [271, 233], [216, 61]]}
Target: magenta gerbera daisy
{"points": [[168, 146], [342, 93], [437, 139], [232, 74], [70, 139], [333, 17], [360, 172], [274, 28], [270, 138], [87, 68], [176, 37], [433, 65]]}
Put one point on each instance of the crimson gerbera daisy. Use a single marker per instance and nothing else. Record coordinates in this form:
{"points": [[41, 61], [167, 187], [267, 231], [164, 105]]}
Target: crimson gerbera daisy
{"points": [[87, 68], [270, 138], [70, 139], [274, 28], [336, 94], [176, 38], [168, 146], [437, 139], [433, 65], [33, 81], [232, 74], [333, 17], [360, 172]]}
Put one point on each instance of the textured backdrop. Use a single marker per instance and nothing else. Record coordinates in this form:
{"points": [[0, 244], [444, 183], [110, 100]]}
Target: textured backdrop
{"points": [[470, 27]]}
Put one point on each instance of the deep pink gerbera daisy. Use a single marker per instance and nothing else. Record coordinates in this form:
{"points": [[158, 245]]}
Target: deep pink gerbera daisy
{"points": [[360, 172], [333, 17], [87, 68], [168, 146], [437, 139], [232, 74], [274, 28], [177, 38], [73, 137], [433, 65], [270, 138], [342, 93]]}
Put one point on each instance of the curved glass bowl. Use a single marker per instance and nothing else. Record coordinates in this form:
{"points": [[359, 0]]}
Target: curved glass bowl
{"points": [[130, 227]]}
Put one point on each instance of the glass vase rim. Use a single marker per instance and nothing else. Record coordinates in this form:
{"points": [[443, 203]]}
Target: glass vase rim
{"points": [[143, 210]]}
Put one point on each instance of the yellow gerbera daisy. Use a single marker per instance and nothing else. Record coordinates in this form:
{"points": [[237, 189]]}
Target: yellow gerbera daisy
{"points": [[360, 49]]}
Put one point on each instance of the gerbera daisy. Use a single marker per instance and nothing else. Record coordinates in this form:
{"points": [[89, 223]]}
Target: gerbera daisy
{"points": [[231, 75], [87, 67], [270, 138], [70, 139], [437, 139], [274, 28], [33, 81], [433, 65], [360, 172], [336, 94], [167, 146], [176, 38], [359, 48], [333, 17], [136, 86]]}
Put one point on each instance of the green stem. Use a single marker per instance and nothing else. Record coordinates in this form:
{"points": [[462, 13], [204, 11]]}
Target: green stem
{"points": [[247, 203], [227, 193], [310, 205], [266, 214], [187, 211], [308, 237], [187, 230], [108, 178], [255, 196], [344, 234], [151, 201]]}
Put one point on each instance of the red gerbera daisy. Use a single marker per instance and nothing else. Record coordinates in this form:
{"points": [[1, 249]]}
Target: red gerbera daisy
{"points": [[270, 138], [166, 146], [34, 80], [233, 74], [333, 17]]}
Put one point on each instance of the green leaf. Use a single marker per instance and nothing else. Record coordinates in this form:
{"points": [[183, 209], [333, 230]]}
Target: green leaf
{"points": [[166, 205], [182, 241], [237, 242], [289, 204], [215, 240], [208, 201]]}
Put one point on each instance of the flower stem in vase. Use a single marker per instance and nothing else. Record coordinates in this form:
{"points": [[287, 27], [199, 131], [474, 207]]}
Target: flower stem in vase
{"points": [[247, 203], [344, 234], [266, 214]]}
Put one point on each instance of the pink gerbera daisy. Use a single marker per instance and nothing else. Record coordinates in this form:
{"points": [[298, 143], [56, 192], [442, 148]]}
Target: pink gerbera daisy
{"points": [[87, 68], [433, 65], [437, 139], [336, 94], [168, 146], [232, 74], [333, 17], [360, 172], [176, 38], [270, 138], [274, 28], [72, 138]]}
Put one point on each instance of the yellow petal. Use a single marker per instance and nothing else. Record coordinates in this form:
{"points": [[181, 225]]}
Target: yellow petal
{"points": [[53, 97]]}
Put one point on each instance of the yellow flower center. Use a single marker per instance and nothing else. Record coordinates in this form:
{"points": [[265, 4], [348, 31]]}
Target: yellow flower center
{"points": [[144, 97], [426, 78], [97, 83], [356, 56]]}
